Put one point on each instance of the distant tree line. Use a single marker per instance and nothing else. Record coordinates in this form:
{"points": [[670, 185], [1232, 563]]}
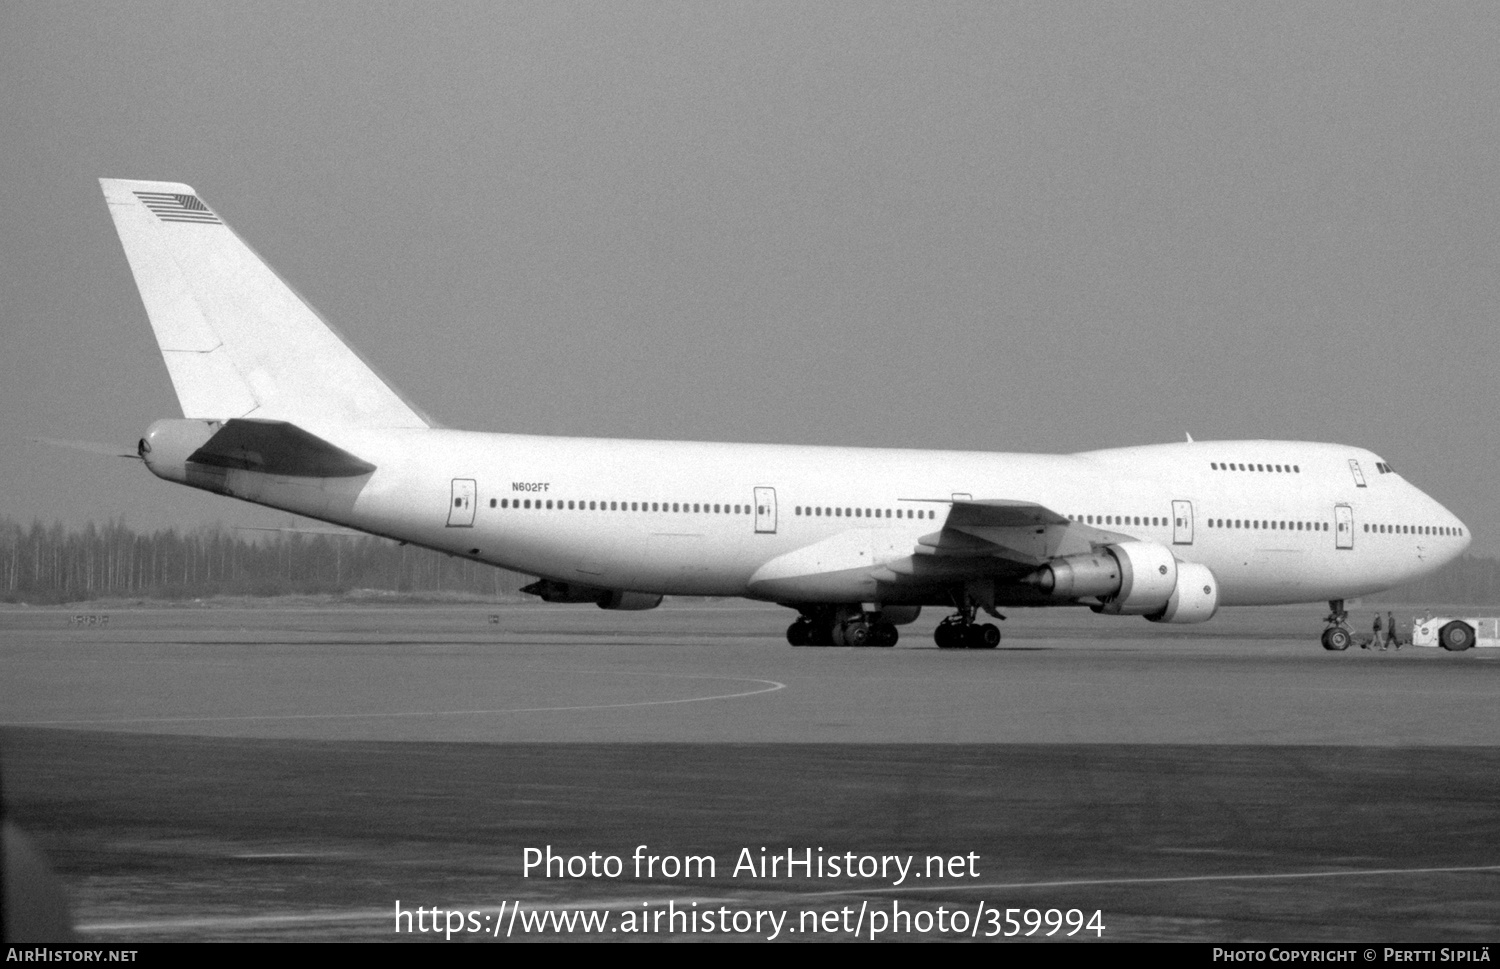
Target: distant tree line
{"points": [[42, 564]]}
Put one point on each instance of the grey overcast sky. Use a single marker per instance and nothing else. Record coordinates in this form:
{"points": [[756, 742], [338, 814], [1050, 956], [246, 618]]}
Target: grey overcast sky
{"points": [[1048, 226]]}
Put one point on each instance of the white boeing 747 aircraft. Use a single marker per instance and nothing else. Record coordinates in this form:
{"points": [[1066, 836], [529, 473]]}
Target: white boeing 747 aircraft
{"points": [[279, 411]]}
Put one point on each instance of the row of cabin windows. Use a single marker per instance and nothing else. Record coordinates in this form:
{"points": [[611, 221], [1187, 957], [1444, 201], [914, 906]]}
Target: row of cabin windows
{"points": [[550, 504], [1413, 529], [817, 511], [558, 504], [821, 512], [1146, 520], [1276, 468], [1142, 520], [1268, 524]]}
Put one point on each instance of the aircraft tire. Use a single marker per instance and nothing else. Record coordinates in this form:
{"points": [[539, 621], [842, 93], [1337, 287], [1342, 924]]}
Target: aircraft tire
{"points": [[1336, 640], [946, 635], [884, 634], [857, 634], [797, 634], [986, 636], [1456, 636]]}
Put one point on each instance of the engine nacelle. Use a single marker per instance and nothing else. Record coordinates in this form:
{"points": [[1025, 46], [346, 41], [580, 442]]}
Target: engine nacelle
{"points": [[551, 590], [1196, 597], [1132, 578], [1148, 580], [630, 601], [1095, 574]]}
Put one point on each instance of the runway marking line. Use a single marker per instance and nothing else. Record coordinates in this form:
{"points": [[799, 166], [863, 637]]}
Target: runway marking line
{"points": [[374, 915], [771, 687], [1166, 880]]}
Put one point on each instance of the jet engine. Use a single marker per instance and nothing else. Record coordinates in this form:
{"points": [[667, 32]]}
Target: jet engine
{"points": [[550, 590], [1134, 579], [1130, 579]]}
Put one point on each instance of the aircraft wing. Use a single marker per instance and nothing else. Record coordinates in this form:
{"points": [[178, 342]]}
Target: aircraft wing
{"points": [[994, 538], [1022, 532], [993, 541]]}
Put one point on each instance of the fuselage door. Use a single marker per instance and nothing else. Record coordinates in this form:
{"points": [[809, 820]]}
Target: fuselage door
{"points": [[1359, 476], [461, 509], [1343, 523], [1182, 523], [765, 511]]}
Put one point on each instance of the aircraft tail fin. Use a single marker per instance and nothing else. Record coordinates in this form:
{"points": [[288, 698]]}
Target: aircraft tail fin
{"points": [[237, 340]]}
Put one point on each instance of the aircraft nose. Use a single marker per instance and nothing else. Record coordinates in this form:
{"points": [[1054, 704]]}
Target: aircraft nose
{"points": [[1460, 530]]}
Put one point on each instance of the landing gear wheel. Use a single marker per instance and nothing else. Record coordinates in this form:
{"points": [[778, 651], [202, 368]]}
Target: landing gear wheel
{"points": [[857, 634], [799, 633], [1456, 636], [1336, 639], [986, 636], [948, 635], [884, 634]]}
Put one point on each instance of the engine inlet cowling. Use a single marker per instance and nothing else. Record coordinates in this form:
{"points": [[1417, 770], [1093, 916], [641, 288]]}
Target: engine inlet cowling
{"points": [[1195, 599]]}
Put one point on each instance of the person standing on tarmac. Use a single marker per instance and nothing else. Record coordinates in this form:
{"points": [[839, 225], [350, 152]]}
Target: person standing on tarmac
{"points": [[1377, 639], [1391, 639]]}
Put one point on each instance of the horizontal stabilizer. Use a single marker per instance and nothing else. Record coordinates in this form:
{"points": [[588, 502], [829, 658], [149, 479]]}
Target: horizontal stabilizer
{"points": [[276, 447]]}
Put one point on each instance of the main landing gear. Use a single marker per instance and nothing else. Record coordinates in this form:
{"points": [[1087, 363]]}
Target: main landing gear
{"points": [[856, 630], [953, 633], [1338, 635], [962, 632]]}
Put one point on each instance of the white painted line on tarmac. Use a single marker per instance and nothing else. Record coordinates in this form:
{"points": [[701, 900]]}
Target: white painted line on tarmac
{"points": [[240, 921], [1167, 880], [749, 898], [292, 919], [771, 686]]}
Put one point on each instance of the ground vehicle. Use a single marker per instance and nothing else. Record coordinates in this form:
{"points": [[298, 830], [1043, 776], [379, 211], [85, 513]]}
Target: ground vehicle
{"points": [[1456, 633]]}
